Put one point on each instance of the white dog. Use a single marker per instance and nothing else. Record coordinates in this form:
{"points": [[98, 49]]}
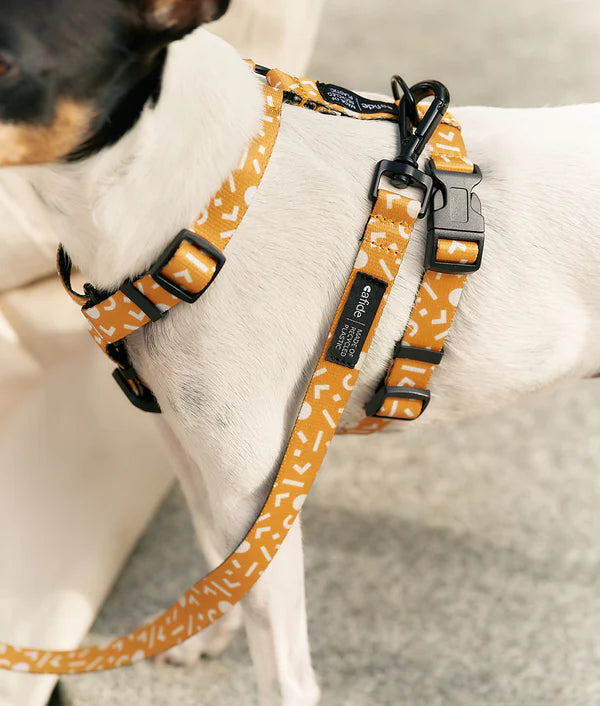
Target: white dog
{"points": [[230, 371]]}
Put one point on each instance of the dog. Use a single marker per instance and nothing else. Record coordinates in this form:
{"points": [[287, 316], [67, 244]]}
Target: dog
{"points": [[124, 119]]}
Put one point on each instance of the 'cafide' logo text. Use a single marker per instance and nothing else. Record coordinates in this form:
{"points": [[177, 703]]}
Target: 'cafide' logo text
{"points": [[363, 302]]}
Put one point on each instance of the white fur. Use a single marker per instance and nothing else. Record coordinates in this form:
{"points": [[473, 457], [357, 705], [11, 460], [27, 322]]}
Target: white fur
{"points": [[230, 371]]}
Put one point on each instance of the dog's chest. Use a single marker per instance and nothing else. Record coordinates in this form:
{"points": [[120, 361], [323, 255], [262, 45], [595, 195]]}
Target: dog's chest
{"points": [[287, 265]]}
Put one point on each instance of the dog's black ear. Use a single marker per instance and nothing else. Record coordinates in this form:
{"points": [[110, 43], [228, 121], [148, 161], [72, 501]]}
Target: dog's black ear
{"points": [[176, 18]]}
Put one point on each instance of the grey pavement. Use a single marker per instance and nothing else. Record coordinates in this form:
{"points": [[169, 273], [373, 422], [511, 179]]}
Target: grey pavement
{"points": [[461, 566]]}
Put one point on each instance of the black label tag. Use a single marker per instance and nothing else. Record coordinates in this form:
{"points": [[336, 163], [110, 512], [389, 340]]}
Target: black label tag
{"points": [[356, 320], [352, 101]]}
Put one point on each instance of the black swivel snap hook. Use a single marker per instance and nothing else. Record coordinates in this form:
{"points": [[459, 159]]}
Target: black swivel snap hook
{"points": [[415, 133], [408, 114]]}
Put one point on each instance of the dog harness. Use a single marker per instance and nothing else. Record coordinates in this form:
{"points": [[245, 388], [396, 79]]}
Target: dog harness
{"points": [[194, 259]]}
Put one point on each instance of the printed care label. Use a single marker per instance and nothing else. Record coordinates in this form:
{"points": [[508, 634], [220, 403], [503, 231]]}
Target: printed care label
{"points": [[353, 102], [356, 320]]}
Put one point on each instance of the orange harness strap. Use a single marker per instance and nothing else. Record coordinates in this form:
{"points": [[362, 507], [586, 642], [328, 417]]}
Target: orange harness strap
{"points": [[454, 249], [195, 257], [184, 271], [377, 263]]}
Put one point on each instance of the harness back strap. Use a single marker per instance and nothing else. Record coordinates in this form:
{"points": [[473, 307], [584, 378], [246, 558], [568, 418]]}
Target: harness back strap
{"points": [[330, 99], [454, 249]]}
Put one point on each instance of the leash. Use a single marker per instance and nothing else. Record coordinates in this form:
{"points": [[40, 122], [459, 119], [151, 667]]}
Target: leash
{"points": [[191, 264]]}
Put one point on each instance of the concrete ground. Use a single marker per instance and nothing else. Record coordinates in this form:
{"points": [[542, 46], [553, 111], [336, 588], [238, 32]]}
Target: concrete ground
{"points": [[462, 565]]}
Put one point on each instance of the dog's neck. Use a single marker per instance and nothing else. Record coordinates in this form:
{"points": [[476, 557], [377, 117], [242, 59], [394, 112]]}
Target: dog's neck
{"points": [[115, 212]]}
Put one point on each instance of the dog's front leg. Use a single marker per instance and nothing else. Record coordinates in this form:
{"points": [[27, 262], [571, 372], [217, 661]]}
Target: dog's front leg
{"points": [[275, 620], [275, 610], [215, 639], [233, 457]]}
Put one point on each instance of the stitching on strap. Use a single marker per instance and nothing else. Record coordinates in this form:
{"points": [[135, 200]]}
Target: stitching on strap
{"points": [[392, 222]]}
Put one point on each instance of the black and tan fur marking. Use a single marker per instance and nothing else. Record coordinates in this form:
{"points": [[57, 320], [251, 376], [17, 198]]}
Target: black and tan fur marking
{"points": [[76, 74]]}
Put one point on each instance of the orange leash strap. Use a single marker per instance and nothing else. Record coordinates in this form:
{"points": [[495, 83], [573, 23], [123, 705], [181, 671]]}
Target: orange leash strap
{"points": [[376, 266]]}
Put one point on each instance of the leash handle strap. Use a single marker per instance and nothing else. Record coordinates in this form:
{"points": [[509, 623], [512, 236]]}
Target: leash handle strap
{"points": [[377, 263]]}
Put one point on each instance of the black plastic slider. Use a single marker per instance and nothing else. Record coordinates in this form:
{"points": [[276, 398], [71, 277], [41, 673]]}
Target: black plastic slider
{"points": [[261, 70], [129, 381], [421, 355], [141, 301], [455, 215], [140, 397], [400, 393]]}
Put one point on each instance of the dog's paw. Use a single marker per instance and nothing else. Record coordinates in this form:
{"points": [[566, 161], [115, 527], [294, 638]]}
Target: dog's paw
{"points": [[209, 643], [308, 695]]}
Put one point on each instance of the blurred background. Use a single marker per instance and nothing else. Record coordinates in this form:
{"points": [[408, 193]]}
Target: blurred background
{"points": [[510, 53], [461, 567]]}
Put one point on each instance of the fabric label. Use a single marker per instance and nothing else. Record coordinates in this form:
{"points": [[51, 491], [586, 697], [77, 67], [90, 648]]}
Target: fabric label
{"points": [[356, 320], [353, 102]]}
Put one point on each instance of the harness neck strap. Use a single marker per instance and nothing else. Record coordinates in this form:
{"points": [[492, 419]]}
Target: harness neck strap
{"points": [[184, 271]]}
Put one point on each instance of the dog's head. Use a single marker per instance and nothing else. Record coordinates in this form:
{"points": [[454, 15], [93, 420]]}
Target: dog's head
{"points": [[75, 74]]}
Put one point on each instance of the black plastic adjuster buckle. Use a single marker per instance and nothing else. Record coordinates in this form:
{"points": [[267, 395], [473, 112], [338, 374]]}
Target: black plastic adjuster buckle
{"points": [[455, 215], [202, 245], [404, 393], [421, 355], [402, 175], [145, 400]]}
